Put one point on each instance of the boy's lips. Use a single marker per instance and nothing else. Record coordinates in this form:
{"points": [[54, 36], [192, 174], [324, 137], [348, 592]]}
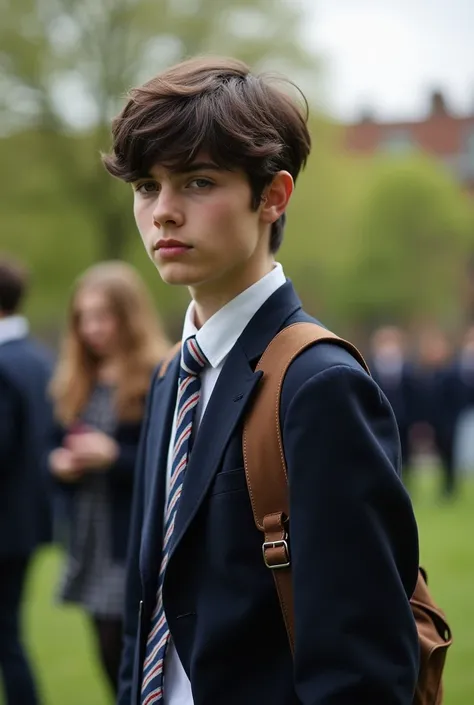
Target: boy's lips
{"points": [[169, 243], [171, 248]]}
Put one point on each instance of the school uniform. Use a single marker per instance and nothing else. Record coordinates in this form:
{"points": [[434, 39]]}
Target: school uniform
{"points": [[98, 508], [455, 398], [353, 536], [25, 499]]}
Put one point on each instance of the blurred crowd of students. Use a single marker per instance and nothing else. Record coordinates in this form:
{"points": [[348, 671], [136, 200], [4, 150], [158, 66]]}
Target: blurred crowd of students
{"points": [[430, 385], [69, 436], [80, 412]]}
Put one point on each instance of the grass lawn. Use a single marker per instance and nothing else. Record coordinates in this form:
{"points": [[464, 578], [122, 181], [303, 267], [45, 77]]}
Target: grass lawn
{"points": [[62, 646], [446, 551]]}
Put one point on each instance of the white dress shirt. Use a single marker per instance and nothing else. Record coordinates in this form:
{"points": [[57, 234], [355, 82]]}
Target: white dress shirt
{"points": [[216, 338], [13, 328]]}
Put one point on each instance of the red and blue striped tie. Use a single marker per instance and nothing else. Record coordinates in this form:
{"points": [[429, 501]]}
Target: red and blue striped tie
{"points": [[193, 361]]}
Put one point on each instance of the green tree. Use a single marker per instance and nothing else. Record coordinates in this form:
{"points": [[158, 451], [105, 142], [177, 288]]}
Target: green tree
{"points": [[66, 65], [411, 236], [318, 246]]}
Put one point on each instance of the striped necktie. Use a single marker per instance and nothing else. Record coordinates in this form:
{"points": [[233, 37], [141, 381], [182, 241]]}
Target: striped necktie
{"points": [[193, 361]]}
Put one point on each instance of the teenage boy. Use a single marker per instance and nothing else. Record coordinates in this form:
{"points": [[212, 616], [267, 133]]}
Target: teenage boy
{"points": [[212, 152]]}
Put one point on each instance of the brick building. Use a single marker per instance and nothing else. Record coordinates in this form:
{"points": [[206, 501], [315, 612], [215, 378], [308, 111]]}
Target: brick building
{"points": [[444, 135]]}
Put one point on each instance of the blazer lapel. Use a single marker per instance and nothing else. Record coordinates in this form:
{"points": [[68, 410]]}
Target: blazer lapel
{"points": [[159, 432], [233, 390]]}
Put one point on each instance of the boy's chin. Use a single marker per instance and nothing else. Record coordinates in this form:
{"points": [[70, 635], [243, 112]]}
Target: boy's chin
{"points": [[178, 276]]}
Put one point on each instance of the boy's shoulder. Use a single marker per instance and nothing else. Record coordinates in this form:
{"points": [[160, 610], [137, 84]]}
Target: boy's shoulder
{"points": [[26, 353], [321, 356], [329, 369]]}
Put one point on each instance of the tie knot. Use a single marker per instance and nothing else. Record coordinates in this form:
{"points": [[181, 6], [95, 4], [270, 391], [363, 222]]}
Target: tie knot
{"points": [[193, 359]]}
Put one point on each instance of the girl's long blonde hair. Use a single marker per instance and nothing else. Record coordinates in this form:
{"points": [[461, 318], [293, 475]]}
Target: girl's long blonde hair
{"points": [[142, 343]]}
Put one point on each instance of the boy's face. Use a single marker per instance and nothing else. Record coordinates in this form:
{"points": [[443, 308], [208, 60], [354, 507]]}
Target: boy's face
{"points": [[198, 226]]}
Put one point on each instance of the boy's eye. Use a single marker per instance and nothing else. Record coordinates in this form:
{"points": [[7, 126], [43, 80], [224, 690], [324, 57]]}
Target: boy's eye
{"points": [[147, 187], [200, 183]]}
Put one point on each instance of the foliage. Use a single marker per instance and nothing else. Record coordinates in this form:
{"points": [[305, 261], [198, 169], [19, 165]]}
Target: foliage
{"points": [[365, 240], [318, 246], [65, 66], [412, 234]]}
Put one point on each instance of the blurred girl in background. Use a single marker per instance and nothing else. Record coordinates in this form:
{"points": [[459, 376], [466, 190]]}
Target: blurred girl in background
{"points": [[112, 344]]}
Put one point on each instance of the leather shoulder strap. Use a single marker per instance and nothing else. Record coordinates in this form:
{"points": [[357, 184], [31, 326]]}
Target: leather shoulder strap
{"points": [[264, 459], [165, 363]]}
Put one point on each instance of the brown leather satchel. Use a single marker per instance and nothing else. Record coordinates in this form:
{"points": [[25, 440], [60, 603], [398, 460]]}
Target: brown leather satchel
{"points": [[267, 485]]}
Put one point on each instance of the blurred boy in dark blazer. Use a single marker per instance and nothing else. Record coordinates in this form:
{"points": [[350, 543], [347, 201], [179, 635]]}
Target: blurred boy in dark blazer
{"points": [[25, 516]]}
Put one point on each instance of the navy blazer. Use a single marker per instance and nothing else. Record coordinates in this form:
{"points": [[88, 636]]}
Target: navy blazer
{"points": [[26, 421], [454, 395], [354, 547], [457, 393]]}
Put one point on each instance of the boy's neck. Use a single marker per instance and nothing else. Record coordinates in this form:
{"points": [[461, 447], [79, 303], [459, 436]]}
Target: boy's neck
{"points": [[210, 298]]}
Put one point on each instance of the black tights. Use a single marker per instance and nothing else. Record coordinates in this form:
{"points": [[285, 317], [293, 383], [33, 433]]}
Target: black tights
{"points": [[109, 640]]}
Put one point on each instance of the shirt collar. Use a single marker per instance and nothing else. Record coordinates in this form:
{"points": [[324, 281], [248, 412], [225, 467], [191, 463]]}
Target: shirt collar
{"points": [[219, 334], [13, 328]]}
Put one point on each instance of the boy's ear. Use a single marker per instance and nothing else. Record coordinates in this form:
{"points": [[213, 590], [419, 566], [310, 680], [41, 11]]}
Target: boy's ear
{"points": [[276, 196]]}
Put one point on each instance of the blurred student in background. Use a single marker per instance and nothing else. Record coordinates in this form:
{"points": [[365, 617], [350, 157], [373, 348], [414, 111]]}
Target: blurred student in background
{"points": [[112, 344], [457, 401], [393, 372], [431, 416], [25, 427]]}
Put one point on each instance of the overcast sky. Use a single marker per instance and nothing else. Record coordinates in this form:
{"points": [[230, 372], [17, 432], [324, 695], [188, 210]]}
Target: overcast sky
{"points": [[388, 54]]}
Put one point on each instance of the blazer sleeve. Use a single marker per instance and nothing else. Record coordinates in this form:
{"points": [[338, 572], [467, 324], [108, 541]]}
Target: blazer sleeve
{"points": [[133, 591], [354, 544], [10, 407], [123, 469]]}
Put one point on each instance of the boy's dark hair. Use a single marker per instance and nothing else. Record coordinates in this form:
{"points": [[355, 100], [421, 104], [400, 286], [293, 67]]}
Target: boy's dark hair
{"points": [[213, 105], [13, 283]]}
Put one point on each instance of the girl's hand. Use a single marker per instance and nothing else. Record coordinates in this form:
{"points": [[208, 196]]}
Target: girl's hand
{"points": [[63, 466], [92, 450]]}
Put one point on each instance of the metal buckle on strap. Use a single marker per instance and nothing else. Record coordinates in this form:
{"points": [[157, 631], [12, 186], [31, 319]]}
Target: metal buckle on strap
{"points": [[282, 543]]}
